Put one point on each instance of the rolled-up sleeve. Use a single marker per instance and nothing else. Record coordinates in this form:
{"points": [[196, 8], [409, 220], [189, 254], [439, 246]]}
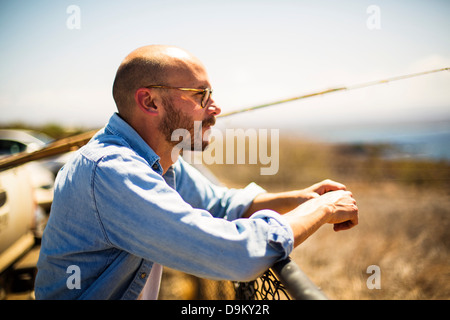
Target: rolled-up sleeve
{"points": [[279, 234], [141, 214]]}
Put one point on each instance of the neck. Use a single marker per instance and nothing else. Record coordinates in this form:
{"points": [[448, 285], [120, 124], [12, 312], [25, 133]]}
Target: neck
{"points": [[168, 156]]}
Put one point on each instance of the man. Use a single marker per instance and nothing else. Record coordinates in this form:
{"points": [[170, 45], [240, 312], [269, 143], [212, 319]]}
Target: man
{"points": [[124, 205]]}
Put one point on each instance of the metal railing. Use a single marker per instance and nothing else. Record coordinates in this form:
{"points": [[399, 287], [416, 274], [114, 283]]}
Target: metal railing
{"points": [[297, 283]]}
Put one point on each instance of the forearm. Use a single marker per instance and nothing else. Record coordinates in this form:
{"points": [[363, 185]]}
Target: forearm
{"points": [[303, 226], [337, 207], [282, 202]]}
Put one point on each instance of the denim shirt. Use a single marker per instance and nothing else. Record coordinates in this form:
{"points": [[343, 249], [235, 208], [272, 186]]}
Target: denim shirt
{"points": [[114, 215]]}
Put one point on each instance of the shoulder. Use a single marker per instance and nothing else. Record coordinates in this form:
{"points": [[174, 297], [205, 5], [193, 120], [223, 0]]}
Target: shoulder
{"points": [[104, 145], [106, 154], [107, 150]]}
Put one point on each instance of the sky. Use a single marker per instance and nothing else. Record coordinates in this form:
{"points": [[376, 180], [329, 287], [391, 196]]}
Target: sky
{"points": [[58, 65]]}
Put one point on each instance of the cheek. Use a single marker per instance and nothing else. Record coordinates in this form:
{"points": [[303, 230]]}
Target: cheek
{"points": [[192, 115], [187, 102], [183, 99]]}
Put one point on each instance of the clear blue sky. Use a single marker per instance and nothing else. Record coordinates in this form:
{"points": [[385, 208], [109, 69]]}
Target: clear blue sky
{"points": [[255, 52]]}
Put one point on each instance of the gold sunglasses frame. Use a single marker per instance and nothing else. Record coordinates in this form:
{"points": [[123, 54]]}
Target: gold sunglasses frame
{"points": [[207, 92]]}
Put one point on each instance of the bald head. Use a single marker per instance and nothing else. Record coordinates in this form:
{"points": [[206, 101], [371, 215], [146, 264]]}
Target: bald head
{"points": [[150, 65]]}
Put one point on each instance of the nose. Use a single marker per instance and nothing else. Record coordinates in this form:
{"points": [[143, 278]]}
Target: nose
{"points": [[212, 108]]}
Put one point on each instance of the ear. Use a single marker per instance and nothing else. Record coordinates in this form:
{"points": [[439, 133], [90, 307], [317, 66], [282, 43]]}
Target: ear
{"points": [[146, 101]]}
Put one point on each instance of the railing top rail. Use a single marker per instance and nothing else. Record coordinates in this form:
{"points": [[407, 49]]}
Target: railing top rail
{"points": [[296, 282]]}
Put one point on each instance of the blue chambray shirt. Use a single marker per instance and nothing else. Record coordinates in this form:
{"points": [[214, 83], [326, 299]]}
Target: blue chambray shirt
{"points": [[114, 215]]}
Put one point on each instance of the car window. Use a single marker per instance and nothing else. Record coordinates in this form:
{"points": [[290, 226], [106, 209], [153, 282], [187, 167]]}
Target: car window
{"points": [[10, 147]]}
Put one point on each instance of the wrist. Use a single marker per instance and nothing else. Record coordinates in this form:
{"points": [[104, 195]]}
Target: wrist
{"points": [[329, 210], [305, 221]]}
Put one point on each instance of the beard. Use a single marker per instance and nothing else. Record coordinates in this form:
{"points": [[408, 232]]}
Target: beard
{"points": [[177, 119]]}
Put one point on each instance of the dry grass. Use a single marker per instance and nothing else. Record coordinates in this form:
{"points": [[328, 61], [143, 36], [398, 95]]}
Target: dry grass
{"points": [[403, 230], [404, 219]]}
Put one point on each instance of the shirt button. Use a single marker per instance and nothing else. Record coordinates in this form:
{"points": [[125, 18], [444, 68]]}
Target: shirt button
{"points": [[143, 275], [155, 166]]}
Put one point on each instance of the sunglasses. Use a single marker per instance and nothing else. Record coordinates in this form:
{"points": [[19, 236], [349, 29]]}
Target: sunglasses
{"points": [[205, 97]]}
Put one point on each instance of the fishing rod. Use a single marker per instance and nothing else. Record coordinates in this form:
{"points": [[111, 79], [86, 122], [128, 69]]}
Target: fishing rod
{"points": [[72, 143], [347, 88]]}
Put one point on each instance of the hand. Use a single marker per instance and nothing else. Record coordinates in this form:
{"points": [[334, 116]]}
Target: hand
{"points": [[326, 186], [320, 188], [342, 210], [344, 214], [334, 207]]}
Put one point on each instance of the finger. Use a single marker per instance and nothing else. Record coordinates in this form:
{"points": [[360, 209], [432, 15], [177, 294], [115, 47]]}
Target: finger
{"points": [[337, 195], [330, 185], [348, 224], [340, 226], [343, 225]]}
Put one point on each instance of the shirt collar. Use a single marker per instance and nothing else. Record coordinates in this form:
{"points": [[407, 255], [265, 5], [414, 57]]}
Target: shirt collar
{"points": [[121, 128]]}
